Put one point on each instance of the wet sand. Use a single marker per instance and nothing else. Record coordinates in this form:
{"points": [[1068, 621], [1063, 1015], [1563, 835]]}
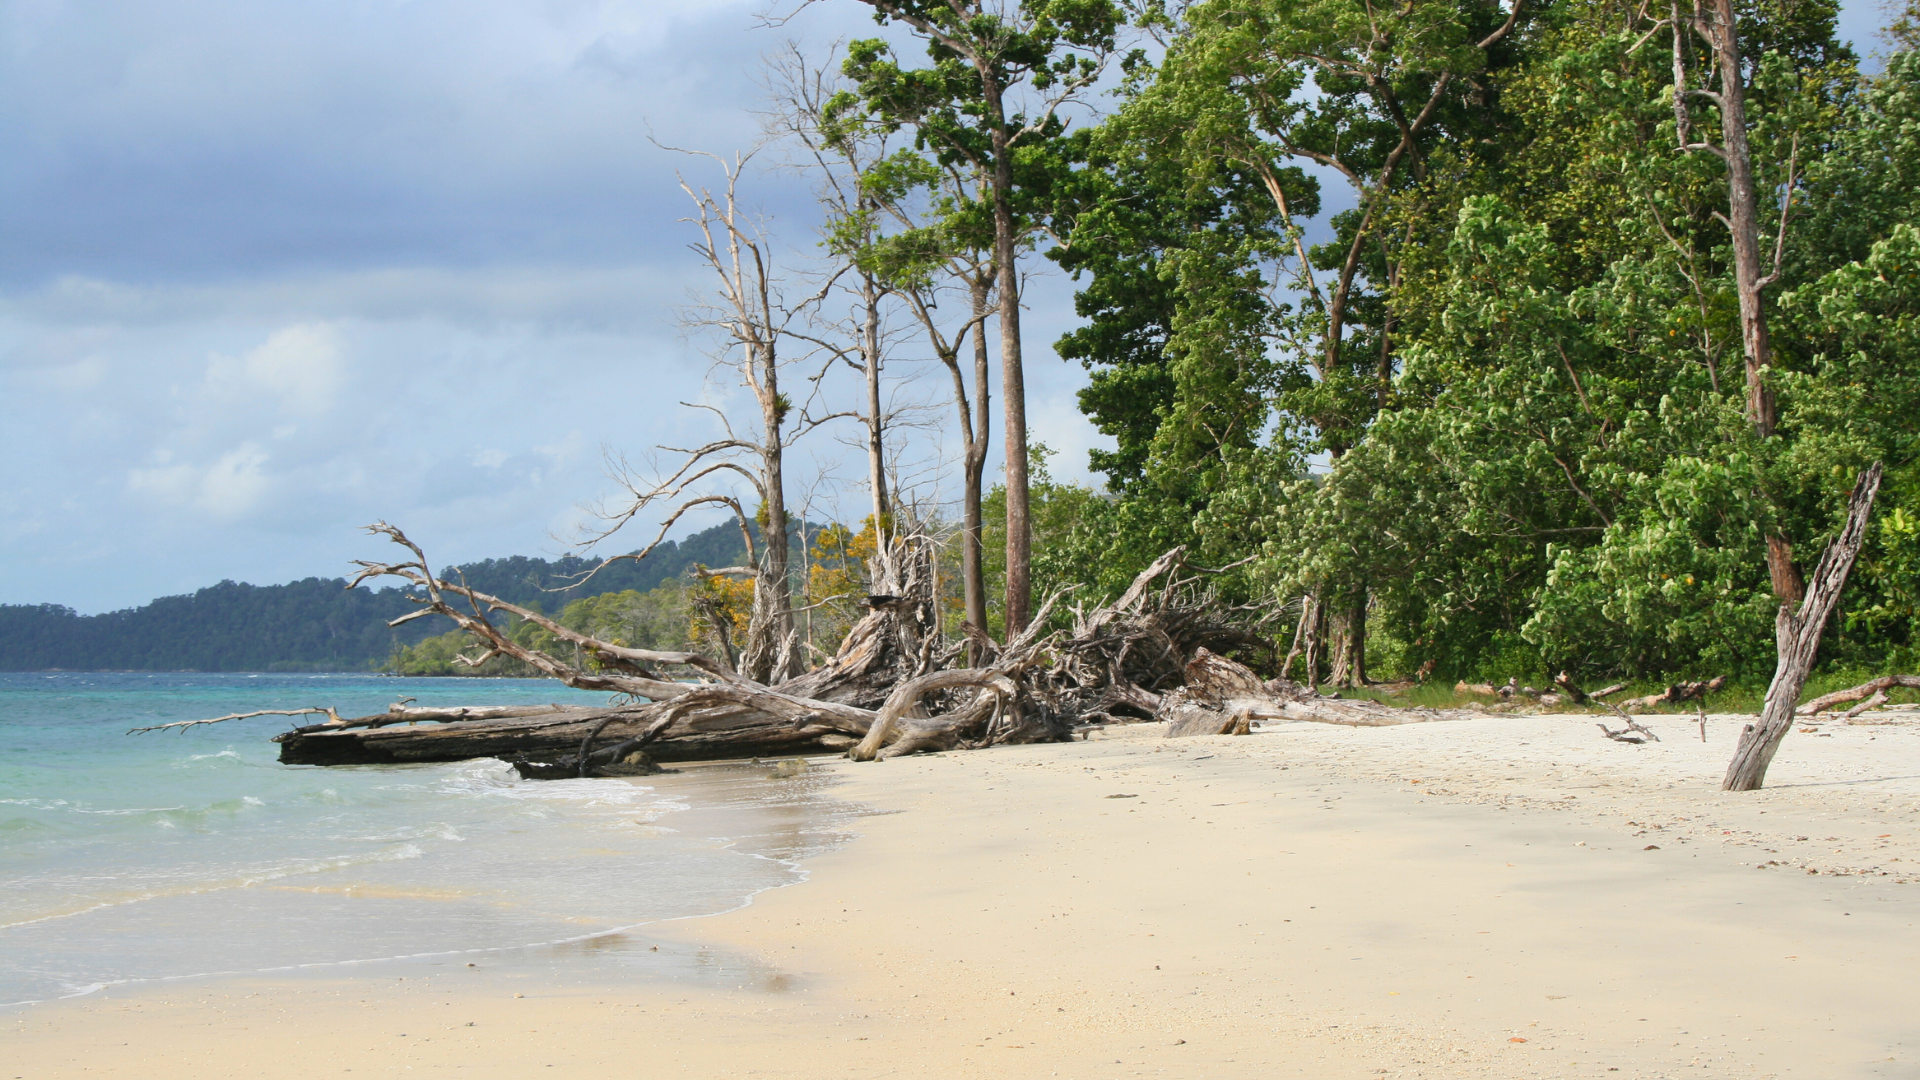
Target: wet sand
{"points": [[1507, 897]]}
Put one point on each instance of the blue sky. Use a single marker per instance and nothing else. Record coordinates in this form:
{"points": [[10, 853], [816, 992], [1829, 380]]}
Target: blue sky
{"points": [[270, 271]]}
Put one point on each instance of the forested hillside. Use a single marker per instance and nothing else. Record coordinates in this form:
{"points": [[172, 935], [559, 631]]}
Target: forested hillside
{"points": [[311, 625]]}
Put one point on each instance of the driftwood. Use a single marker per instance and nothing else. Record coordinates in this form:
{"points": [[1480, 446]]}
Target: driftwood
{"points": [[1877, 686], [1509, 689], [1223, 697], [1623, 734], [1581, 697], [1878, 699], [1159, 651], [183, 725], [1677, 693], [1796, 631], [885, 692], [1565, 682]]}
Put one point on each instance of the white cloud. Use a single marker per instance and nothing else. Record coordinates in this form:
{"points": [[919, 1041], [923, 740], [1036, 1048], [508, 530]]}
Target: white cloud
{"points": [[162, 483], [234, 484], [300, 365], [226, 490]]}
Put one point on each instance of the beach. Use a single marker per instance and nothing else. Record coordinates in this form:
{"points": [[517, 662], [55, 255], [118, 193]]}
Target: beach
{"points": [[1508, 896]]}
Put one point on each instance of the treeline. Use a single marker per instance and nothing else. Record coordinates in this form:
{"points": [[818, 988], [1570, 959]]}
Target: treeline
{"points": [[1524, 408], [1578, 370], [311, 625]]}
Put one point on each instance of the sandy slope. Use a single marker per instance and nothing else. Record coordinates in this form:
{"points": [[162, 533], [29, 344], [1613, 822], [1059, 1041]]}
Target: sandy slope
{"points": [[1507, 897]]}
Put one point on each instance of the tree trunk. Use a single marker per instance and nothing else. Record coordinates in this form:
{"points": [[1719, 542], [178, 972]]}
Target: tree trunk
{"points": [[1750, 280], [972, 562], [767, 637], [876, 435], [1797, 633], [1316, 617], [1013, 391], [1348, 628]]}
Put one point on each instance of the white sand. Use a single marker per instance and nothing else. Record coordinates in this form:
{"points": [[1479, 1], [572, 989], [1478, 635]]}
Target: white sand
{"points": [[1471, 899]]}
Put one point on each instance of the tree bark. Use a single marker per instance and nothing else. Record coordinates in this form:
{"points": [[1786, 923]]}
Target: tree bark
{"points": [[1013, 391], [876, 435], [773, 591], [972, 561], [1316, 641], [1871, 687], [1348, 628], [708, 734], [1797, 630], [1743, 224]]}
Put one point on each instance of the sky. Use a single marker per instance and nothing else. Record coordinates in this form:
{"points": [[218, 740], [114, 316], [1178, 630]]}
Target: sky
{"points": [[271, 271]]}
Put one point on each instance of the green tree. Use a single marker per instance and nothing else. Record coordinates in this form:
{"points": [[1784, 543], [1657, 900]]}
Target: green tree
{"points": [[967, 105]]}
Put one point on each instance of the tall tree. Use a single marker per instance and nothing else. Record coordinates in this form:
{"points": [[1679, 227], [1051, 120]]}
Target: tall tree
{"points": [[1367, 92], [940, 243], [750, 320], [838, 157], [998, 76], [1804, 607]]}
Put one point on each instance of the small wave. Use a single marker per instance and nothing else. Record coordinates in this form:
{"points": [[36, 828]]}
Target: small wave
{"points": [[433, 830], [238, 880], [493, 779]]}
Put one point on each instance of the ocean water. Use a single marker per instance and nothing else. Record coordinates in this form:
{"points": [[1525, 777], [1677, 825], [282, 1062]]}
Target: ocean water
{"points": [[132, 858]]}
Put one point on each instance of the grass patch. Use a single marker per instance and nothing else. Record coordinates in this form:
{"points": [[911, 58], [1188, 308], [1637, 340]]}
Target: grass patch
{"points": [[1738, 697]]}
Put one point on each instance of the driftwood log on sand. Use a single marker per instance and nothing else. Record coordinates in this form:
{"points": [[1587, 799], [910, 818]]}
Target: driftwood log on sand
{"points": [[889, 690], [1675, 694], [1872, 689], [1224, 697]]}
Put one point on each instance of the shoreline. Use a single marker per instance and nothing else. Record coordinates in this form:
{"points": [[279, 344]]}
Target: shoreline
{"points": [[1513, 896], [628, 856]]}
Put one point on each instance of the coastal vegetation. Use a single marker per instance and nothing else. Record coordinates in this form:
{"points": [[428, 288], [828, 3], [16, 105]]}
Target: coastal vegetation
{"points": [[1566, 341]]}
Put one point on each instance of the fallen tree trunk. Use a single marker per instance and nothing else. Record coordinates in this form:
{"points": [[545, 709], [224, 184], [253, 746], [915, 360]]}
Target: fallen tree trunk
{"points": [[1870, 687], [735, 733], [1878, 699], [1678, 692], [872, 697]]}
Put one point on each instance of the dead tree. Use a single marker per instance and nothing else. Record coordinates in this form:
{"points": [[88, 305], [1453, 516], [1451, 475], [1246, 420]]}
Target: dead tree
{"points": [[1797, 629], [838, 157], [751, 319], [1874, 690]]}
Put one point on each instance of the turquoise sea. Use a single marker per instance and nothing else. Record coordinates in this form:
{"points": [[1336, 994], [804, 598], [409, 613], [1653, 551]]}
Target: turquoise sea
{"points": [[127, 859]]}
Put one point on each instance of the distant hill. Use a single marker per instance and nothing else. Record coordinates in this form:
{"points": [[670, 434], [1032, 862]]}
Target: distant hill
{"points": [[311, 625]]}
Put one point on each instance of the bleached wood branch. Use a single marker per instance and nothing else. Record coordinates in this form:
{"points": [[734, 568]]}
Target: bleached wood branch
{"points": [[182, 725]]}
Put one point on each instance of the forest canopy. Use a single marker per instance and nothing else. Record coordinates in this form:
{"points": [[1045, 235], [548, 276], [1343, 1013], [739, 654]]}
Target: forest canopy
{"points": [[1497, 422]]}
